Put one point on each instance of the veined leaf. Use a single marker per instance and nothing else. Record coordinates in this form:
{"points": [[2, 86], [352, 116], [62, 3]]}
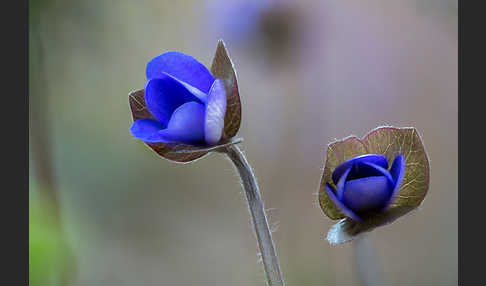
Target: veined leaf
{"points": [[337, 152], [391, 141]]}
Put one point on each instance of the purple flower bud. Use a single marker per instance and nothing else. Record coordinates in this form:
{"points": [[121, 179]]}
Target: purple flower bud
{"points": [[185, 111], [364, 184], [188, 103], [371, 181]]}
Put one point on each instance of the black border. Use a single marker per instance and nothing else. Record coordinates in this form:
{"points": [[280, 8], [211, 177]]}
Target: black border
{"points": [[15, 140], [471, 128]]}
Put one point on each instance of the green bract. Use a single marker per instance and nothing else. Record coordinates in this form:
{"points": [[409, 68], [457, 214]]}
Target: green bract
{"points": [[389, 142]]}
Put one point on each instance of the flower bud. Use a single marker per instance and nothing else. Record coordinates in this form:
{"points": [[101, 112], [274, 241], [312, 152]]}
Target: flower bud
{"points": [[185, 110], [372, 181]]}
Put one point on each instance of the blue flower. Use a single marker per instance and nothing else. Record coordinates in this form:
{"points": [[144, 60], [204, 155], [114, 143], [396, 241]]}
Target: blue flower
{"points": [[372, 181], [187, 102], [365, 185]]}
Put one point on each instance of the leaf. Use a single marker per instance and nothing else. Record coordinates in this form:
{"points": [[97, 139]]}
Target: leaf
{"points": [[181, 153], [223, 68], [391, 141], [337, 152], [388, 141], [139, 109]]}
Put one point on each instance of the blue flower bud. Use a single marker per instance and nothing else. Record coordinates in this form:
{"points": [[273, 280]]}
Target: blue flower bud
{"points": [[188, 103], [364, 184], [372, 181], [185, 110]]}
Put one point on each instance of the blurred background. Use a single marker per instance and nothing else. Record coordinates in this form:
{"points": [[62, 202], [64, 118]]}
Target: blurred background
{"points": [[105, 210]]}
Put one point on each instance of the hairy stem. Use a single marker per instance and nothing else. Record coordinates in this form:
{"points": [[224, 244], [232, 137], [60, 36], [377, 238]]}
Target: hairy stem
{"points": [[367, 267], [259, 219]]}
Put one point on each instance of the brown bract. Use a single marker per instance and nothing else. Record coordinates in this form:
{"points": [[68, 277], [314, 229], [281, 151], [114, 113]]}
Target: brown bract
{"points": [[222, 68], [388, 141]]}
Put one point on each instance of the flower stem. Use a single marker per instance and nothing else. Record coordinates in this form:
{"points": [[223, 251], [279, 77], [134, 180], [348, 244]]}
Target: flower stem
{"points": [[366, 263], [259, 219]]}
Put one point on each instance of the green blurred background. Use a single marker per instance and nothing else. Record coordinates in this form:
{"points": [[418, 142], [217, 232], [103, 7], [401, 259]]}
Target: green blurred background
{"points": [[105, 210]]}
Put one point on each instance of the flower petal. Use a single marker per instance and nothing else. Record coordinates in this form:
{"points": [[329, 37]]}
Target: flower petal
{"points": [[146, 129], [397, 169], [163, 95], [186, 125], [215, 112], [348, 212], [364, 170], [183, 67], [196, 92], [341, 183], [379, 160], [397, 172], [367, 193]]}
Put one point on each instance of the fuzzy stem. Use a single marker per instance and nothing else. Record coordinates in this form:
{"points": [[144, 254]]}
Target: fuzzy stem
{"points": [[259, 219], [367, 267]]}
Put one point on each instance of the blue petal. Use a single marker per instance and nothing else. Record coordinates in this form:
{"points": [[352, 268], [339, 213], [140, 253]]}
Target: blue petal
{"points": [[341, 183], [186, 125], [397, 172], [379, 160], [215, 112], [364, 170], [348, 212], [146, 130], [203, 97], [397, 169], [367, 193], [183, 67], [163, 95]]}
